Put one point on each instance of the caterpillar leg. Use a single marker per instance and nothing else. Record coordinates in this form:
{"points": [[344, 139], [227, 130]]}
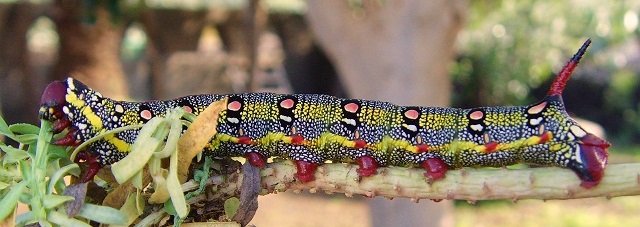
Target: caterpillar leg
{"points": [[435, 168], [92, 161], [255, 159], [306, 170], [368, 166]]}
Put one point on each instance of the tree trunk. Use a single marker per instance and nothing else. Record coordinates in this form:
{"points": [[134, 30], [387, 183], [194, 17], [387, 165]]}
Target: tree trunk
{"points": [[17, 79], [90, 52], [170, 31], [396, 51]]}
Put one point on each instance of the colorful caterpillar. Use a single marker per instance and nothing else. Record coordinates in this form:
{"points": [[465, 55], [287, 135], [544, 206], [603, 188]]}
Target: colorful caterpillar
{"points": [[311, 129]]}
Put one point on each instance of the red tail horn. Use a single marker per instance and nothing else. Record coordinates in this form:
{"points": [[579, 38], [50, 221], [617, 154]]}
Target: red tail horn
{"points": [[558, 84]]}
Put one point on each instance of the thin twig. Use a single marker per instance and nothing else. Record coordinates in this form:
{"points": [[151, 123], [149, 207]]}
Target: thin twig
{"points": [[465, 184]]}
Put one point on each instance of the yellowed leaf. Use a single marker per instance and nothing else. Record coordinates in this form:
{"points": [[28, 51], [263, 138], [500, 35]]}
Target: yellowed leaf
{"points": [[198, 136]]}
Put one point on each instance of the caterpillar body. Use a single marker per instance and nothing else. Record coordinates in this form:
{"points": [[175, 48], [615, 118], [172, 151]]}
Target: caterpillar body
{"points": [[311, 129]]}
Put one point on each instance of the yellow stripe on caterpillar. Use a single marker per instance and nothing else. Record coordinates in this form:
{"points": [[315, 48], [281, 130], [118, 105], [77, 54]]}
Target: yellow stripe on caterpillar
{"points": [[121, 145], [94, 120]]}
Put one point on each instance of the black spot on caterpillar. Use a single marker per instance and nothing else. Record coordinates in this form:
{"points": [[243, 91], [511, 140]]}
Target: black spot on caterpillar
{"points": [[311, 129]]}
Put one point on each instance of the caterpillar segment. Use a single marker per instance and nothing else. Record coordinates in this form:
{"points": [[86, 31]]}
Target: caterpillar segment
{"points": [[313, 129]]}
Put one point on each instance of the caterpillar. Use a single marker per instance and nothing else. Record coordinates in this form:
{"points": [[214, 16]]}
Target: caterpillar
{"points": [[311, 129]]}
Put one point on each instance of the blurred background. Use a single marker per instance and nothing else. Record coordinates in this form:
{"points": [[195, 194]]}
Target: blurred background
{"points": [[409, 52]]}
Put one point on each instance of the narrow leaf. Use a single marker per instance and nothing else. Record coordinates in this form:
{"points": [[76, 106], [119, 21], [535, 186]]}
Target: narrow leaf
{"points": [[23, 129], [141, 151], [103, 214], [52, 201], [4, 128], [62, 220], [9, 202]]}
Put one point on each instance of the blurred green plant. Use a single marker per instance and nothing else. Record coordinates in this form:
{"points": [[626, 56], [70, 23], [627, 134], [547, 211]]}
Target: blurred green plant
{"points": [[509, 48], [515, 45]]}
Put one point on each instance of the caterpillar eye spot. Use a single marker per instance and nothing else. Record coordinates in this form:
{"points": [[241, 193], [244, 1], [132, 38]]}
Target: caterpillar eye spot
{"points": [[285, 118], [234, 106], [577, 131], [476, 115], [412, 114], [536, 121], [146, 114], [349, 121], [119, 109], [537, 108], [477, 128]]}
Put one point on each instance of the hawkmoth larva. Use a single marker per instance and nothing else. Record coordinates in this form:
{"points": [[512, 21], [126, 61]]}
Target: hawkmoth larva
{"points": [[311, 129]]}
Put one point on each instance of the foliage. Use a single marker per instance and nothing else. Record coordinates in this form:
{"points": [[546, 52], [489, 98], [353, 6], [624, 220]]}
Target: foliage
{"points": [[33, 173], [509, 46]]}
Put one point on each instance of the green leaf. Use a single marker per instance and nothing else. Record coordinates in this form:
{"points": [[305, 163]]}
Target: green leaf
{"points": [[63, 220], [24, 219], [25, 170], [177, 196], [60, 174], [9, 202], [52, 201], [103, 214], [231, 206], [169, 208], [131, 209], [4, 185], [26, 139], [4, 128], [13, 154], [141, 151], [24, 129]]}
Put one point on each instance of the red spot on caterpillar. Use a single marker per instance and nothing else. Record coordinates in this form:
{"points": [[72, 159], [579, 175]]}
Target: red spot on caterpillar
{"points": [[188, 109], [545, 137], [297, 139], [360, 144], [537, 108], [255, 159], [422, 148], [351, 107], [305, 171], [476, 115], [559, 83], [244, 140], [490, 147], [412, 114], [146, 114], [287, 103], [94, 165], [435, 167], [234, 106], [368, 166]]}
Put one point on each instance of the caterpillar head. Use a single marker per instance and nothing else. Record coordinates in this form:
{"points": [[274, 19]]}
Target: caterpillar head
{"points": [[575, 148], [583, 152], [68, 104]]}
